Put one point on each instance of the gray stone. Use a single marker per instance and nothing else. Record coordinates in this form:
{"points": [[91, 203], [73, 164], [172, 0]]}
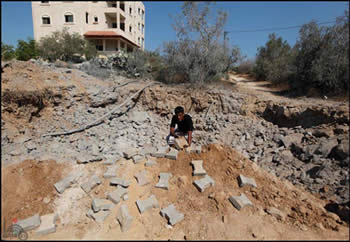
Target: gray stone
{"points": [[101, 204], [150, 163], [341, 151], [66, 182], [99, 216], [198, 168], [109, 162], [171, 214], [148, 150], [326, 146], [204, 183], [111, 171], [172, 154], [124, 218], [163, 180], [240, 201], [142, 178], [128, 154], [292, 138], [91, 183], [119, 181], [125, 197], [138, 117], [48, 224], [30, 223], [115, 196], [245, 181], [84, 160], [146, 204], [138, 158]]}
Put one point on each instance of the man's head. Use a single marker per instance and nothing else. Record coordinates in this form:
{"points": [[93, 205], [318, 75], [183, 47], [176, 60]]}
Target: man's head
{"points": [[179, 112]]}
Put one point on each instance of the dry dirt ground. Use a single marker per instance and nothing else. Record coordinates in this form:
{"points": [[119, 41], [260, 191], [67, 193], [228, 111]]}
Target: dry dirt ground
{"points": [[28, 188]]}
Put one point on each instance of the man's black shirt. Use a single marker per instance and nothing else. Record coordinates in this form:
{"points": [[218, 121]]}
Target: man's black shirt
{"points": [[185, 125]]}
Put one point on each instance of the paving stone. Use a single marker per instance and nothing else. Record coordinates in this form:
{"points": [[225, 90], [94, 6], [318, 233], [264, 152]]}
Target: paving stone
{"points": [[240, 201], [115, 196], [148, 151], [172, 154], [138, 158], [163, 180], [99, 216], [171, 214], [204, 183], [91, 183], [119, 181], [124, 218], [66, 182], [276, 213], [150, 163], [198, 168], [30, 223], [245, 181], [111, 171], [101, 204], [146, 204], [194, 149], [142, 178], [48, 224], [161, 152], [128, 154], [180, 142]]}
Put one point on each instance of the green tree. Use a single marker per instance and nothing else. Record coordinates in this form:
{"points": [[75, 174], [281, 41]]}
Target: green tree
{"points": [[274, 60], [7, 52], [26, 50]]}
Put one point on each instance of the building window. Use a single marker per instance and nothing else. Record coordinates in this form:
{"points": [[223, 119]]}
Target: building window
{"points": [[130, 29], [46, 20], [114, 25], [122, 6], [143, 28], [143, 42], [44, 1], [68, 18], [139, 11], [143, 14], [138, 40], [95, 19], [139, 26], [122, 45], [87, 17], [130, 11]]}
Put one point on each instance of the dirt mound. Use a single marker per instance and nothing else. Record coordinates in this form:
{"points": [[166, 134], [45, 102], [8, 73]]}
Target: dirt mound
{"points": [[27, 188]]}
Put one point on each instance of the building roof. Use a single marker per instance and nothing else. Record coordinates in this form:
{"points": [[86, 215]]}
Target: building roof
{"points": [[107, 34]]}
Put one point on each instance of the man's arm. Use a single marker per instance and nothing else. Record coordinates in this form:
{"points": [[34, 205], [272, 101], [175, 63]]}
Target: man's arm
{"points": [[172, 131], [189, 138]]}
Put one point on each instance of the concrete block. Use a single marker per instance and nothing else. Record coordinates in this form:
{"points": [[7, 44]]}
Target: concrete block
{"points": [[119, 181], [198, 168], [111, 171], [91, 183], [180, 142], [99, 216], [163, 180], [30, 223], [109, 162], [125, 197], [101, 204], [142, 178], [48, 224], [128, 154], [240, 201], [276, 213], [161, 152], [171, 214], [172, 154], [146, 204], [149, 151], [66, 182], [138, 158], [124, 218], [204, 183], [150, 163], [196, 149], [243, 181], [115, 196]]}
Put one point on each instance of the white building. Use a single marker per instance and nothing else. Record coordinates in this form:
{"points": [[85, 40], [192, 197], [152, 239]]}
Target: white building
{"points": [[111, 25]]}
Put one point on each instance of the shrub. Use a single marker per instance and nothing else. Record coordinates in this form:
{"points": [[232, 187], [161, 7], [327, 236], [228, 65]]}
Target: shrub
{"points": [[7, 52], [64, 46], [245, 67], [26, 50]]}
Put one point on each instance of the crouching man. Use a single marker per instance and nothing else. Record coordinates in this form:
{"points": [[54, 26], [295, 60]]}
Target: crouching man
{"points": [[184, 126]]}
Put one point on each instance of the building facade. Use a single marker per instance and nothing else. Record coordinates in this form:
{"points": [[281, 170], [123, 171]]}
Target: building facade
{"points": [[110, 25]]}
